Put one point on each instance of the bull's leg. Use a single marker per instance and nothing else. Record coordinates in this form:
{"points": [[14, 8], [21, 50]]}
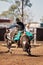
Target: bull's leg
{"points": [[29, 49], [9, 46], [18, 44]]}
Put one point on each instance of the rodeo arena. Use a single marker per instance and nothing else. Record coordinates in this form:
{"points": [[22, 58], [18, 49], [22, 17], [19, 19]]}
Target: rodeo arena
{"points": [[21, 43]]}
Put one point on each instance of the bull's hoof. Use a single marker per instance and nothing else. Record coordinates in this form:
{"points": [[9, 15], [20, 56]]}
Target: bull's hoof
{"points": [[9, 51], [29, 54]]}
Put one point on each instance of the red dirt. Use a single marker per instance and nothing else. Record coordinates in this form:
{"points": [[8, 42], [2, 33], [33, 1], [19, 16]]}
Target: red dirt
{"points": [[19, 57]]}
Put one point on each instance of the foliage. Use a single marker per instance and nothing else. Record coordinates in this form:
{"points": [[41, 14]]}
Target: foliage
{"points": [[14, 9]]}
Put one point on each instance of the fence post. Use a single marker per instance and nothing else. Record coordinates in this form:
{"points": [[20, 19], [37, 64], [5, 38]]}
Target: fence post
{"points": [[34, 35]]}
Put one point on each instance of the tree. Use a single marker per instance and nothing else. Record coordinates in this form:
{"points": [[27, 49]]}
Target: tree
{"points": [[27, 3], [15, 9]]}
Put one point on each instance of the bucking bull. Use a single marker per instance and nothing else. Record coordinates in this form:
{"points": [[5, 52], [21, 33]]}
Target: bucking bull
{"points": [[22, 38]]}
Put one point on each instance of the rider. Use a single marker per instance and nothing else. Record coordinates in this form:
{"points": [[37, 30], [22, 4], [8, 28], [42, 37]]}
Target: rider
{"points": [[21, 29], [21, 25]]}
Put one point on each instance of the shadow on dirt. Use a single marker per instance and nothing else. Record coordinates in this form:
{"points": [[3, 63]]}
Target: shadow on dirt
{"points": [[35, 55], [2, 52], [13, 54], [27, 55]]}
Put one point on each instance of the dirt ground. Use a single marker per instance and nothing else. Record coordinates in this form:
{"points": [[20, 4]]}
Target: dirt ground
{"points": [[19, 57]]}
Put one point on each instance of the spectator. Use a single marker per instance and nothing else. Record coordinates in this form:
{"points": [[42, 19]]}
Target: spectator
{"points": [[28, 33], [27, 28]]}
